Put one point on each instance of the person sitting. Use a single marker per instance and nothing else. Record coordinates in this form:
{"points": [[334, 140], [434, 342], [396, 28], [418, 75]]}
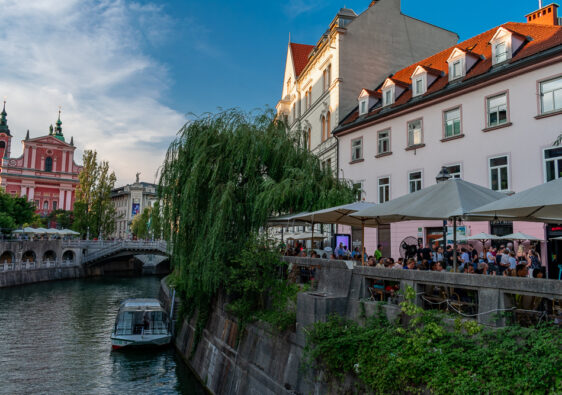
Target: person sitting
{"points": [[521, 270], [410, 264], [437, 266], [380, 264], [399, 264]]}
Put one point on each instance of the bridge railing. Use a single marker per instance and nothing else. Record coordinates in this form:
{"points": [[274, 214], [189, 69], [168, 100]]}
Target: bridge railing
{"points": [[133, 245], [28, 265]]}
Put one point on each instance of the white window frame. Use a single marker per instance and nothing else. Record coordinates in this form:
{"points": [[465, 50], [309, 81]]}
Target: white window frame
{"points": [[385, 188], [413, 143], [460, 63], [498, 169], [363, 106], [445, 122], [552, 92], [416, 184], [422, 88], [354, 146], [496, 109], [388, 96], [379, 140], [504, 55], [557, 166], [455, 175], [361, 184]]}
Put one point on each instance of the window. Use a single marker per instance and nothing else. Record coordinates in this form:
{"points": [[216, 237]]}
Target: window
{"points": [[551, 95], [54, 205], [498, 173], [418, 86], [309, 97], [327, 164], [497, 110], [501, 52], [323, 123], [387, 97], [48, 163], [294, 112], [457, 69], [309, 138], [383, 142], [414, 181], [414, 132], [452, 120], [454, 171], [306, 100], [553, 163], [357, 149], [327, 78], [358, 187], [328, 125], [363, 107], [45, 205], [2, 144], [37, 203], [384, 189]]}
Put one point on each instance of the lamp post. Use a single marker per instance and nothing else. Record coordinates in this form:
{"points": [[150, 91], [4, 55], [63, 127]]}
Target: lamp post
{"points": [[443, 176]]}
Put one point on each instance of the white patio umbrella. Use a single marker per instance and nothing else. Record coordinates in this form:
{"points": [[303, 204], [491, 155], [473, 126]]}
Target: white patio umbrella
{"points": [[40, 231], [518, 236], [542, 203], [482, 236], [452, 199], [340, 215], [556, 238], [68, 232], [29, 230]]}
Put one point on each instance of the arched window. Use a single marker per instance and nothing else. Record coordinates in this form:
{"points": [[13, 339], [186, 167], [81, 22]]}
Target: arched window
{"points": [[48, 163], [2, 144], [310, 97], [309, 138], [323, 121], [328, 125], [45, 205], [306, 100]]}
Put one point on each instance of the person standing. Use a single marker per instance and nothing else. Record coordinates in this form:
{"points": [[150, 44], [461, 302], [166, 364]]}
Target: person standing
{"points": [[378, 252]]}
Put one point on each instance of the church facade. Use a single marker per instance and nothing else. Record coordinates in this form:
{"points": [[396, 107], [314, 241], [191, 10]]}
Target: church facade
{"points": [[45, 172]]}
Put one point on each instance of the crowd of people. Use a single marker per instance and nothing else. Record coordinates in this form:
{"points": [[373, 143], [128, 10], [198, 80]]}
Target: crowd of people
{"points": [[501, 261]]}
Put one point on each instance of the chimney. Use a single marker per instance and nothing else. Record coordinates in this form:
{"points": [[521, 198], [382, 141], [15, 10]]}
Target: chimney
{"points": [[544, 16]]}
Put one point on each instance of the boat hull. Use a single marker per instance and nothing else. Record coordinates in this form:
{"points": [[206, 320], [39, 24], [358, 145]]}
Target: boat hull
{"points": [[130, 341]]}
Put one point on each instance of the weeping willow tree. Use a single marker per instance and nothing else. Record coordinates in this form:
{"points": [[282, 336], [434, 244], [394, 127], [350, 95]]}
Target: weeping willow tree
{"points": [[222, 178]]}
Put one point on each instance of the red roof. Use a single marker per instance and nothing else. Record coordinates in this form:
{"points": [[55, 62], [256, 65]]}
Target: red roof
{"points": [[300, 54], [540, 38]]}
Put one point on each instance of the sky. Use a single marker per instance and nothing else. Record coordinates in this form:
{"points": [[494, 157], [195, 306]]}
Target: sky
{"points": [[128, 74]]}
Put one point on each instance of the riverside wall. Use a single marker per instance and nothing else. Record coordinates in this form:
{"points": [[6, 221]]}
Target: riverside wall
{"points": [[22, 277], [267, 362]]}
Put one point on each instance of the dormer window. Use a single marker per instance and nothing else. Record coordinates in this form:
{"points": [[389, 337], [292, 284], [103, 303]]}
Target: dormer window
{"points": [[418, 86], [501, 52], [363, 107], [457, 69], [387, 98]]}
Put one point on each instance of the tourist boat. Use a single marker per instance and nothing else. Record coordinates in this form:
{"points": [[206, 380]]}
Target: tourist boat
{"points": [[141, 322]]}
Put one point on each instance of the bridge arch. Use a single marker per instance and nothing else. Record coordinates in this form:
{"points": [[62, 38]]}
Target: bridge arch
{"points": [[28, 256], [68, 255], [50, 255], [7, 257]]}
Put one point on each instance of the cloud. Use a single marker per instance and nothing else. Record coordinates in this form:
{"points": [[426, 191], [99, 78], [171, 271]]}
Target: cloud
{"points": [[294, 8], [90, 57]]}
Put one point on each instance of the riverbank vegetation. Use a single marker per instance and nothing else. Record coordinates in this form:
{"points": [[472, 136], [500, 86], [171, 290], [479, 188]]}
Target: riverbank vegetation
{"points": [[221, 180], [428, 356], [14, 212]]}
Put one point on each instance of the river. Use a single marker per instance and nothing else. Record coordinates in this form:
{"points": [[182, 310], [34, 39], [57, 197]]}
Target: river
{"points": [[54, 338]]}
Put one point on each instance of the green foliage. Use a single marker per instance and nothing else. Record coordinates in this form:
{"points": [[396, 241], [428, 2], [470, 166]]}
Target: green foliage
{"points": [[425, 357], [257, 288], [222, 178], [63, 218], [140, 224], [14, 212], [93, 210]]}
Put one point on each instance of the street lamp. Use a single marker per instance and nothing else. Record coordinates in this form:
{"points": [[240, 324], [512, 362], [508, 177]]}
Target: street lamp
{"points": [[443, 176]]}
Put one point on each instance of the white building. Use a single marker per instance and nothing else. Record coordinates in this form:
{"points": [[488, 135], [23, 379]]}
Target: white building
{"points": [[489, 109], [130, 200], [321, 81]]}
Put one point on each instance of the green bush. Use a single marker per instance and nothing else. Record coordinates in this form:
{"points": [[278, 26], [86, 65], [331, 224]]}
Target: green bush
{"points": [[426, 356]]}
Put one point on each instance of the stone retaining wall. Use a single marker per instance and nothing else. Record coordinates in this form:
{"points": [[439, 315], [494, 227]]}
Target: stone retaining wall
{"points": [[21, 277]]}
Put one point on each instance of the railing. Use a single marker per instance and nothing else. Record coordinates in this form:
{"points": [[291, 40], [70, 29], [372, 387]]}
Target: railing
{"points": [[492, 295], [133, 245], [27, 265]]}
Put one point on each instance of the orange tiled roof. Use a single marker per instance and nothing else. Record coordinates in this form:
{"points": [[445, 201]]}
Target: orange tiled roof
{"points": [[300, 54], [540, 38]]}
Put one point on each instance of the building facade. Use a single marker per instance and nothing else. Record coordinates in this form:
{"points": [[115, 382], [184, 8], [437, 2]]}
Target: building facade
{"points": [[45, 173], [321, 81], [489, 109], [130, 200]]}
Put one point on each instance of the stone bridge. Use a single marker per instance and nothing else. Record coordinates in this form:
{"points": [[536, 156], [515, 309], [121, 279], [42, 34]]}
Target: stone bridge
{"points": [[87, 257]]}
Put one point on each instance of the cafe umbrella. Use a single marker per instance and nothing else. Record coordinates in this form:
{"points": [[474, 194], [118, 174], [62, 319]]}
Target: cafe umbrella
{"points": [[453, 199]]}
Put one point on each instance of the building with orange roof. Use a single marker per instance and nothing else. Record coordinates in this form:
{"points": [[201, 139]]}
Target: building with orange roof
{"points": [[321, 81], [488, 109]]}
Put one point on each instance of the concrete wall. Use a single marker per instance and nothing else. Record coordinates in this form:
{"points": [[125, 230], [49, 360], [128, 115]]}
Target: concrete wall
{"points": [[22, 277], [268, 362]]}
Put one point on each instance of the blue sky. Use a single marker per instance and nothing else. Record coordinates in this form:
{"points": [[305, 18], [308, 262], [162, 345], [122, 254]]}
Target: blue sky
{"points": [[128, 72]]}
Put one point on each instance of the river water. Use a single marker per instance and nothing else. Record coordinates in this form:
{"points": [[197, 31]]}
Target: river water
{"points": [[54, 339]]}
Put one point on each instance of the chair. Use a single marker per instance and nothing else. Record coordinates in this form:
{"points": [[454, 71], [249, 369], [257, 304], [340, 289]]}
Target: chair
{"points": [[377, 290]]}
